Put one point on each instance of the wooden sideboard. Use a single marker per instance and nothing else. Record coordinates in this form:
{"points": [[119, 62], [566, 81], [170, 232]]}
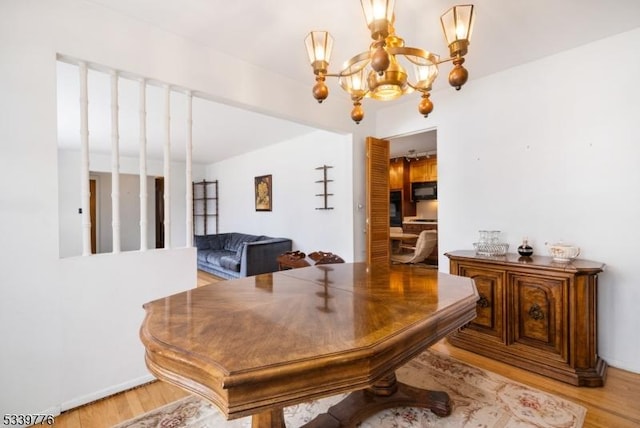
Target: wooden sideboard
{"points": [[534, 313]]}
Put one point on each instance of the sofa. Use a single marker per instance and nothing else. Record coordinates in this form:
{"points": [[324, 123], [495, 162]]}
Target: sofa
{"points": [[235, 255]]}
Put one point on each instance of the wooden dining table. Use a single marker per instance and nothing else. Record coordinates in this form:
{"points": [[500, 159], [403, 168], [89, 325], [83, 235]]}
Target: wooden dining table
{"points": [[253, 345]]}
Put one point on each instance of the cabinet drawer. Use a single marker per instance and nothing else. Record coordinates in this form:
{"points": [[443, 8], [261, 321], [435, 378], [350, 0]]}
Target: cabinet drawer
{"points": [[490, 305]]}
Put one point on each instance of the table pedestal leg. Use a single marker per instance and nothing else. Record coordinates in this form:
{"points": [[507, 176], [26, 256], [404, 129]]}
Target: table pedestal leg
{"points": [[384, 394], [269, 419]]}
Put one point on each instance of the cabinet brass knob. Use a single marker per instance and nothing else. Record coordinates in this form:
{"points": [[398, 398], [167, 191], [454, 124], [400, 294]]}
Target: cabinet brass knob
{"points": [[483, 302], [536, 312]]}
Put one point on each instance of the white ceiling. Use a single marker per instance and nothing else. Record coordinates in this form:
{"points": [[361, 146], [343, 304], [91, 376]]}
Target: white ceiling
{"points": [[271, 34]]}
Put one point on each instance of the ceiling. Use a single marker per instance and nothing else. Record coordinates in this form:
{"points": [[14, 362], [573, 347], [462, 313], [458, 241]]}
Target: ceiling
{"points": [[507, 34]]}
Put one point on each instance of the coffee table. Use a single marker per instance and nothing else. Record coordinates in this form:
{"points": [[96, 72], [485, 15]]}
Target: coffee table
{"points": [[254, 345]]}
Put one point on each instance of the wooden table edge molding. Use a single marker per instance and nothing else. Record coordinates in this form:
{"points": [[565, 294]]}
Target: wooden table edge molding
{"points": [[369, 370]]}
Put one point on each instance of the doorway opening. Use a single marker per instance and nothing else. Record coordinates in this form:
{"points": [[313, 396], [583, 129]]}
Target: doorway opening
{"points": [[413, 163]]}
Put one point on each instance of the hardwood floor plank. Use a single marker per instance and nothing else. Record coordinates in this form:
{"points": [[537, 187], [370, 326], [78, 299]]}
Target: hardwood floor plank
{"points": [[133, 400], [205, 278], [69, 419]]}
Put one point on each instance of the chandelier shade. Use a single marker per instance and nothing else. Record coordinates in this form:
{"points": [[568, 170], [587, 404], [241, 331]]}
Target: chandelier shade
{"points": [[355, 81], [388, 69], [457, 24], [378, 14], [319, 46]]}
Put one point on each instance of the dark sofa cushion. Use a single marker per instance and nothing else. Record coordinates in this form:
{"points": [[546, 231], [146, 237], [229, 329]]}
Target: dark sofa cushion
{"points": [[217, 242], [210, 242], [201, 255], [230, 262], [235, 240], [201, 242], [214, 257]]}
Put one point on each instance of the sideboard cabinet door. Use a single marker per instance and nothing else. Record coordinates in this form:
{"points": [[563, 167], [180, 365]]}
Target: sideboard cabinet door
{"points": [[539, 317], [489, 308]]}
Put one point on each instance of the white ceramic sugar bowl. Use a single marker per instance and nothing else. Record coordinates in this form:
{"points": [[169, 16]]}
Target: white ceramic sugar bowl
{"points": [[562, 252]]}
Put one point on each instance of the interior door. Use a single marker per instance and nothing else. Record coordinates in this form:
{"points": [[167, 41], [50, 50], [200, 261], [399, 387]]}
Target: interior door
{"points": [[159, 212], [377, 194], [92, 214]]}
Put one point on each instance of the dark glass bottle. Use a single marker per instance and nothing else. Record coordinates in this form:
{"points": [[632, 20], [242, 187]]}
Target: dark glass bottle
{"points": [[525, 249]]}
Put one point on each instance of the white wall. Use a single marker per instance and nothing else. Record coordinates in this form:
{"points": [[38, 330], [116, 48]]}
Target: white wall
{"points": [[294, 215], [548, 150], [100, 311]]}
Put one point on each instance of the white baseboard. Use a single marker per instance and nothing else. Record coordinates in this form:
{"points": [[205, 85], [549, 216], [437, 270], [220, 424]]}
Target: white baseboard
{"points": [[79, 401]]}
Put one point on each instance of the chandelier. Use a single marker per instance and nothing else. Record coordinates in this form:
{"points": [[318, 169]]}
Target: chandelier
{"points": [[379, 73]]}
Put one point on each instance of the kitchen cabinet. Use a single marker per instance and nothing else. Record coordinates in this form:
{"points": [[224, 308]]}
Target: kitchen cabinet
{"points": [[399, 180], [423, 169], [534, 313], [416, 228], [397, 170]]}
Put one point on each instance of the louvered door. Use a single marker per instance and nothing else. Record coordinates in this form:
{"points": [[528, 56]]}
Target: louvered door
{"points": [[377, 179]]}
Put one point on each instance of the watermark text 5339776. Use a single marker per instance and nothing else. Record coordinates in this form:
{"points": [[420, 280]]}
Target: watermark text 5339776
{"points": [[28, 419]]}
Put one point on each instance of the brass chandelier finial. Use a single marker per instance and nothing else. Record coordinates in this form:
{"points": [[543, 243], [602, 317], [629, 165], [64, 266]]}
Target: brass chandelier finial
{"points": [[379, 72]]}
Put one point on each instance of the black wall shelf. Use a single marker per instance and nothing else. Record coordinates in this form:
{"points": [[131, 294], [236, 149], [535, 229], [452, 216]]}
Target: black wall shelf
{"points": [[205, 207], [324, 182]]}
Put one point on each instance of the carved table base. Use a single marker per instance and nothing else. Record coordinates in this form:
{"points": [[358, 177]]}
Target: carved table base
{"points": [[359, 405]]}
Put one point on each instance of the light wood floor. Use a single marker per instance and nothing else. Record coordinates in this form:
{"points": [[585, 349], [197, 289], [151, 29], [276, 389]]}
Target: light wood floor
{"points": [[205, 278], [614, 405]]}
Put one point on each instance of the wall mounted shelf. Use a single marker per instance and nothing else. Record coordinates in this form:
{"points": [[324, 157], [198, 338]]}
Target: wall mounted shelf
{"points": [[205, 207], [324, 182]]}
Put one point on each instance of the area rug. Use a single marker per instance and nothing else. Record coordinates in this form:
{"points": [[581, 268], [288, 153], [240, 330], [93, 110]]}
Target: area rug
{"points": [[480, 399]]}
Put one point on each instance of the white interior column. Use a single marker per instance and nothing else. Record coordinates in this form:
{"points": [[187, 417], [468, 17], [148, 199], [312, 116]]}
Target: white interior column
{"points": [[167, 167], [188, 181], [143, 165], [84, 169], [115, 164]]}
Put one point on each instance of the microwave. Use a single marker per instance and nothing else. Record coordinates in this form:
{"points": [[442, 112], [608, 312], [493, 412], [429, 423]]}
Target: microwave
{"points": [[424, 190]]}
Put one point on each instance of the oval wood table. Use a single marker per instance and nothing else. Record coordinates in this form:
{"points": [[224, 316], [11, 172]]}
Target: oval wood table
{"points": [[254, 345]]}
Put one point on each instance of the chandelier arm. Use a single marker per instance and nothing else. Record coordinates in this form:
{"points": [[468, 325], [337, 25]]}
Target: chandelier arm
{"points": [[342, 73], [419, 89], [442, 61], [409, 52], [363, 57]]}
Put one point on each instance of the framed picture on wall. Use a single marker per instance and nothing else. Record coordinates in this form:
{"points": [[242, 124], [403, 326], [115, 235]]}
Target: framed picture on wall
{"points": [[263, 187]]}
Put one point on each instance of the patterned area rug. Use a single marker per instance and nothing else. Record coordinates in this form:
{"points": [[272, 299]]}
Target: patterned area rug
{"points": [[480, 399]]}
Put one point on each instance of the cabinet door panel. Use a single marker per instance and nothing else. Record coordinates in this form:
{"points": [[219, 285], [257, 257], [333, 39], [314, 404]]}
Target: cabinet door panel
{"points": [[396, 175], [539, 314], [490, 311], [432, 169], [418, 171]]}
